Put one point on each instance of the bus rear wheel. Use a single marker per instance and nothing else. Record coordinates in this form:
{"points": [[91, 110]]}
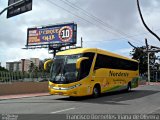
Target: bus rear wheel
{"points": [[96, 91], [128, 87]]}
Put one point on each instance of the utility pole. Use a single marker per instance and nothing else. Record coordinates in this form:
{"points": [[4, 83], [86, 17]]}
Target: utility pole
{"points": [[152, 49], [149, 50], [156, 76], [148, 53], [20, 1], [81, 42]]}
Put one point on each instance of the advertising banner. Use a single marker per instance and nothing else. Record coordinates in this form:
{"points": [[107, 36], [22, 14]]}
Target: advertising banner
{"points": [[55, 34]]}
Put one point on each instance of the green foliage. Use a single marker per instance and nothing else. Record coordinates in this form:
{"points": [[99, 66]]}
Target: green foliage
{"points": [[3, 69], [141, 55]]}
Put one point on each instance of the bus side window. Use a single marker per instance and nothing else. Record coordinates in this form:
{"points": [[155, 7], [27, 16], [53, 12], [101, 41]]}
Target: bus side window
{"points": [[86, 65], [84, 69], [105, 61]]}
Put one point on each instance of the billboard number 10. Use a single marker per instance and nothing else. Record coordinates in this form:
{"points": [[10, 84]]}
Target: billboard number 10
{"points": [[65, 33]]}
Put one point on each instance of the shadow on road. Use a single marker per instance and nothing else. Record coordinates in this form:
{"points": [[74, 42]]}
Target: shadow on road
{"points": [[113, 97]]}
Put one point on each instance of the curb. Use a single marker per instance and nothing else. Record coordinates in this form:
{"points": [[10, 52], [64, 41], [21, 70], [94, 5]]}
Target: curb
{"points": [[18, 96]]}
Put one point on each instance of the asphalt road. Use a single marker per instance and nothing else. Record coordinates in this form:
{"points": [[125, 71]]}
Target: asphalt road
{"points": [[142, 100]]}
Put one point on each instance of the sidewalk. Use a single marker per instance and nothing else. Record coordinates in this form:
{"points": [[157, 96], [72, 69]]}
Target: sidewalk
{"points": [[153, 83], [5, 97]]}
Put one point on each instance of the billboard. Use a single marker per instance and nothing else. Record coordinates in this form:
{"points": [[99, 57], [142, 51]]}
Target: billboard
{"points": [[54, 34], [20, 6]]}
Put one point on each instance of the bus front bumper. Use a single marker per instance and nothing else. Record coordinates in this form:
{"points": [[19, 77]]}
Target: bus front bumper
{"points": [[70, 92]]}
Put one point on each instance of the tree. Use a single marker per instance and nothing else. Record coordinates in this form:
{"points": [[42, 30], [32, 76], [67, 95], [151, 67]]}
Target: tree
{"points": [[140, 55], [3, 69]]}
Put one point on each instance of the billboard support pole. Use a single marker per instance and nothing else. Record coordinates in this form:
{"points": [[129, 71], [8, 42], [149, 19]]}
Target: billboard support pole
{"points": [[54, 53], [10, 6], [81, 42]]}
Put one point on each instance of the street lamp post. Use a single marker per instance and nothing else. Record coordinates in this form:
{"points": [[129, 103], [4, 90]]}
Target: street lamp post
{"points": [[20, 1], [156, 76], [148, 53]]}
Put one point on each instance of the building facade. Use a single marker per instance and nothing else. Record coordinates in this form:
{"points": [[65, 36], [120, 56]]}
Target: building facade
{"points": [[35, 61], [12, 66], [23, 65]]}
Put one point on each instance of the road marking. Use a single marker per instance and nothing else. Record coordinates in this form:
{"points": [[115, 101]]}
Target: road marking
{"points": [[62, 110]]}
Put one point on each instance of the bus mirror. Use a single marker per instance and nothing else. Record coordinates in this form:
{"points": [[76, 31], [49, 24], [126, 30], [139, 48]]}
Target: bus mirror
{"points": [[46, 63], [78, 63]]}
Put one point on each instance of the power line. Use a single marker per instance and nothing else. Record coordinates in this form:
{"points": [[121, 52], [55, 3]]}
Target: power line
{"points": [[145, 25], [117, 39], [108, 40], [79, 16], [97, 19], [82, 18], [90, 15]]}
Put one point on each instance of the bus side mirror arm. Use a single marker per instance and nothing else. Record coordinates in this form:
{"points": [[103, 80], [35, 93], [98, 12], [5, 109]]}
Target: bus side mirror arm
{"points": [[78, 63], [46, 63]]}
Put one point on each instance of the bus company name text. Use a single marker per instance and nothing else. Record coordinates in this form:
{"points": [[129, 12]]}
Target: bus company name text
{"points": [[115, 74]]}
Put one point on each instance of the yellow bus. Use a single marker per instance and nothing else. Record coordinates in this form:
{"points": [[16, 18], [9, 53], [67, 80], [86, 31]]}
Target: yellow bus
{"points": [[91, 71]]}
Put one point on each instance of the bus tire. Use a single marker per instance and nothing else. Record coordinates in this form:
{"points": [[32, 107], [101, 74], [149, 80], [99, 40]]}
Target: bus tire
{"points": [[128, 87], [96, 91], [72, 98]]}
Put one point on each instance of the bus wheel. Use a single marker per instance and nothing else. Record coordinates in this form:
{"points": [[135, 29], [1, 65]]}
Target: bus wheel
{"points": [[128, 87], [72, 98], [96, 91]]}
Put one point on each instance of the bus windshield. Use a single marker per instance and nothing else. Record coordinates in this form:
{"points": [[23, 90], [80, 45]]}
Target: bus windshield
{"points": [[64, 69]]}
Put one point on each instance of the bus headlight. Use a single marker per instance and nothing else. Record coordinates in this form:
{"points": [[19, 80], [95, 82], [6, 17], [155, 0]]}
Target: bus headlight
{"points": [[62, 88], [49, 86], [74, 86]]}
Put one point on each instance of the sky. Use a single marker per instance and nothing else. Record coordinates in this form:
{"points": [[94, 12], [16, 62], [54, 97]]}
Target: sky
{"points": [[104, 24]]}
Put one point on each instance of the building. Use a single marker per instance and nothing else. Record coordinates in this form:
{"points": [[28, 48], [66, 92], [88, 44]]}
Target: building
{"points": [[9, 66], [25, 65], [22, 65], [16, 66], [13, 66], [35, 61]]}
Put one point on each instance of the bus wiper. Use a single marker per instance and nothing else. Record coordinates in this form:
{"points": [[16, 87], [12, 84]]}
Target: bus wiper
{"points": [[57, 71], [62, 78]]}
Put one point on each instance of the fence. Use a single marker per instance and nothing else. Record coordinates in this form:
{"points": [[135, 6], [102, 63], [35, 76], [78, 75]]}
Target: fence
{"points": [[20, 76]]}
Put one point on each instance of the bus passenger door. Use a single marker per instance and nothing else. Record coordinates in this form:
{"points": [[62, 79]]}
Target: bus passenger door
{"points": [[84, 73], [87, 66]]}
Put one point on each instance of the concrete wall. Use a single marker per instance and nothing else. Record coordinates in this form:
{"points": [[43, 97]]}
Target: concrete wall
{"points": [[28, 87], [23, 87]]}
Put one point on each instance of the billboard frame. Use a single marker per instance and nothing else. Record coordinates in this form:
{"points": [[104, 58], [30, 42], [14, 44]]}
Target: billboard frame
{"points": [[61, 44]]}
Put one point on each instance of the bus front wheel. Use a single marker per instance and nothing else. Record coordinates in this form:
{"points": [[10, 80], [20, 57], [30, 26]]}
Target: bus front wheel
{"points": [[96, 91]]}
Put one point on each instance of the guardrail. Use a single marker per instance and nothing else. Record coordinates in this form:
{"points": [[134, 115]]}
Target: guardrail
{"points": [[6, 77]]}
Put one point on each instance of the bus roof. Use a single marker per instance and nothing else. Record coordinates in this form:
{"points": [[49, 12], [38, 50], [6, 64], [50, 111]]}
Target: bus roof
{"points": [[94, 50]]}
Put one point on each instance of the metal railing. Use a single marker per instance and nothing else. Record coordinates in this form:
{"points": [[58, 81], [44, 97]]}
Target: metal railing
{"points": [[6, 77]]}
